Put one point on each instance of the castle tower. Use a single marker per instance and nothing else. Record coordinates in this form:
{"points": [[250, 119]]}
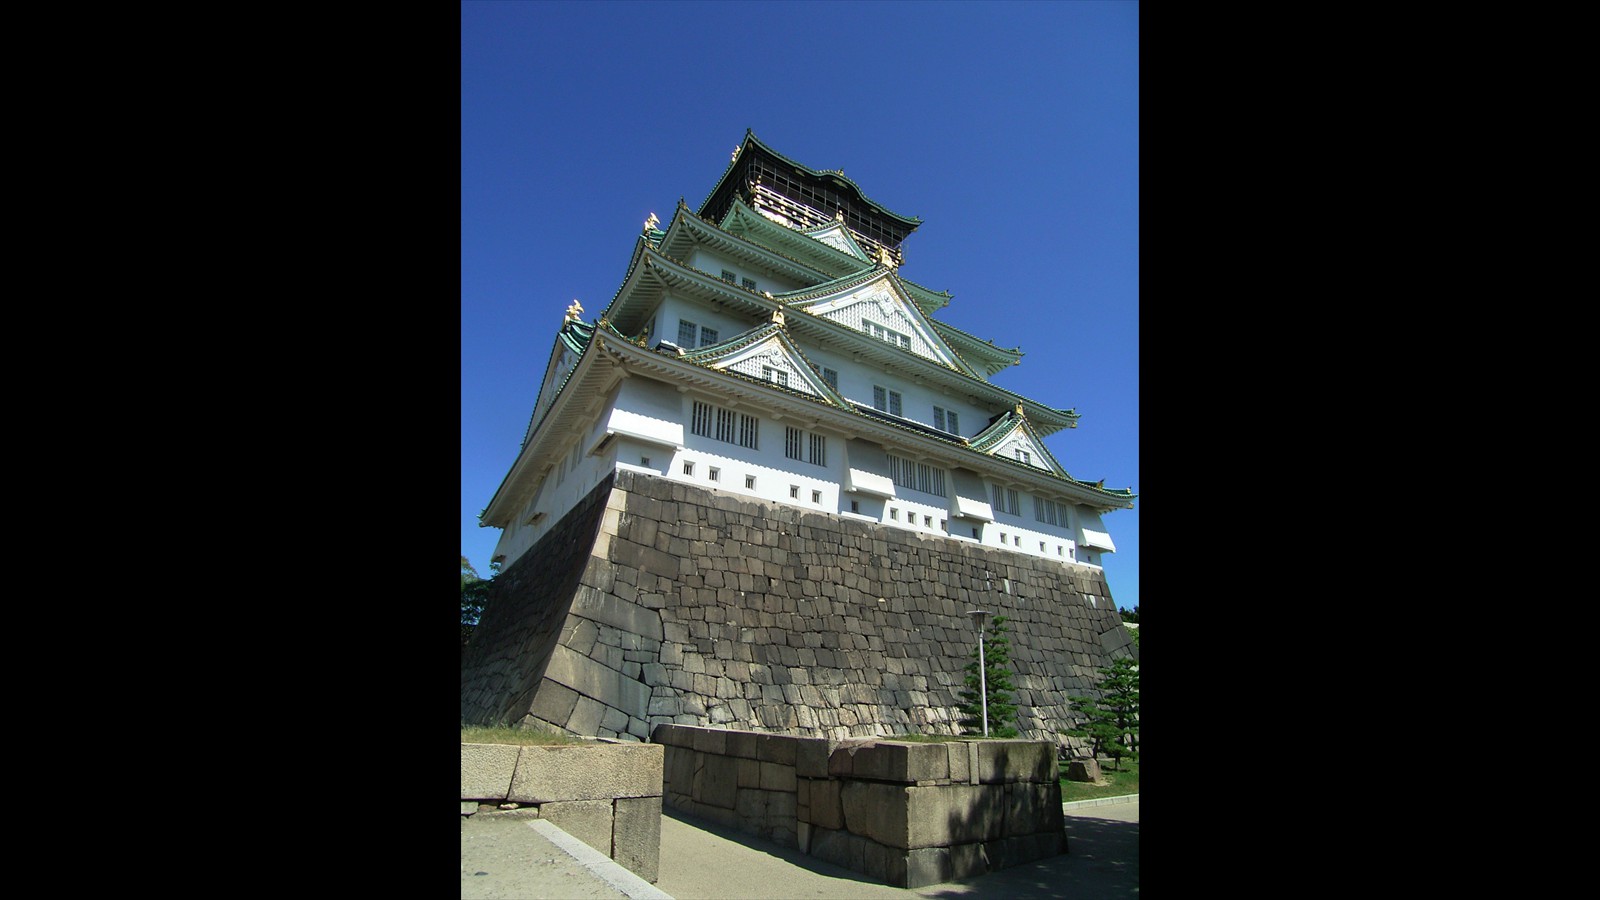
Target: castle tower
{"points": [[764, 484]]}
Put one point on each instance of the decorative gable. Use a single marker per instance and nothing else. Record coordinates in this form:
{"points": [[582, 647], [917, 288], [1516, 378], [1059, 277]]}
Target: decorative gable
{"points": [[1012, 438], [838, 237], [880, 309], [766, 353]]}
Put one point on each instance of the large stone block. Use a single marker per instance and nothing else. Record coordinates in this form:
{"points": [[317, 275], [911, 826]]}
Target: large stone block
{"points": [[826, 809], [777, 777], [811, 757], [877, 811], [935, 815], [1032, 808], [608, 609], [636, 836], [587, 820], [487, 770], [553, 703], [719, 783], [1002, 761], [600, 682], [906, 763], [588, 772]]}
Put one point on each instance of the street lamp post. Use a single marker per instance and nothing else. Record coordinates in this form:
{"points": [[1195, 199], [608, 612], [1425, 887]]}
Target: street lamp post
{"points": [[983, 666]]}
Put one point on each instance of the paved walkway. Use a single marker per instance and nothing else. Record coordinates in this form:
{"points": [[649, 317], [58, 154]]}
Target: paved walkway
{"points": [[505, 857]]}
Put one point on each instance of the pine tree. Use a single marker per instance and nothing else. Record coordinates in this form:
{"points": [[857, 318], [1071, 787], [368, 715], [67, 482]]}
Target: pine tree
{"points": [[997, 673], [1111, 723]]}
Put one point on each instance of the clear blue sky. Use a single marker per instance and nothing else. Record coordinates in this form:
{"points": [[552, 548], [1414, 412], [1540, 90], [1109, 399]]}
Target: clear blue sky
{"points": [[1010, 129]]}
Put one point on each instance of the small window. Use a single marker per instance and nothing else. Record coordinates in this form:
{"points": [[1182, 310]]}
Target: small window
{"points": [[644, 461], [776, 376], [927, 521], [750, 482], [831, 377], [894, 514], [855, 506], [728, 276], [942, 524], [1041, 546], [794, 491], [716, 474], [886, 400], [748, 282], [1058, 550], [816, 496], [1002, 537], [707, 336], [688, 468], [1016, 541], [686, 333], [974, 531], [1023, 457]]}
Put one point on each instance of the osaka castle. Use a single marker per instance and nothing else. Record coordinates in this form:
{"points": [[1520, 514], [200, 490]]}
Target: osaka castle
{"points": [[767, 344]]}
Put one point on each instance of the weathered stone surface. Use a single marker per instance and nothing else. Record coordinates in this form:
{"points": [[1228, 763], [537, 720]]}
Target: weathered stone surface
{"points": [[587, 820], [902, 762], [1086, 770], [599, 682], [1019, 760], [487, 770], [797, 605], [587, 772], [636, 836], [777, 777], [719, 783]]}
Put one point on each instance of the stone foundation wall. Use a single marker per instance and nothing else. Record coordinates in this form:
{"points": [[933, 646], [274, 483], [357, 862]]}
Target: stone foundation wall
{"points": [[908, 814], [607, 795], [657, 603]]}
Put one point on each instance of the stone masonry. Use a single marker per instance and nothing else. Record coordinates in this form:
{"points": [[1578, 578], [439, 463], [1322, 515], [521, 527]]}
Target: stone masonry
{"points": [[654, 603], [908, 814]]}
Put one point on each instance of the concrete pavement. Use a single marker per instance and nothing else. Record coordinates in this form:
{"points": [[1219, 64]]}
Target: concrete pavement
{"points": [[505, 857]]}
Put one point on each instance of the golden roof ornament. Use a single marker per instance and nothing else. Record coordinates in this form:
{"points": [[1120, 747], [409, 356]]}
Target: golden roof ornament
{"points": [[839, 216], [777, 316], [735, 155], [575, 311], [1019, 410], [651, 222], [884, 259]]}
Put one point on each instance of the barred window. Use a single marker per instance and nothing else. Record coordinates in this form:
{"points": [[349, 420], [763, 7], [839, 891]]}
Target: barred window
{"points": [[795, 444], [686, 333], [776, 376], [916, 476], [945, 420], [748, 282], [727, 276], [831, 377], [707, 335], [1049, 511], [730, 427], [1005, 500]]}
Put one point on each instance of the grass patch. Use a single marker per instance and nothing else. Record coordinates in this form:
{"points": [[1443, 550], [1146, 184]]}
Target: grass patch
{"points": [[499, 734], [1119, 782], [930, 738]]}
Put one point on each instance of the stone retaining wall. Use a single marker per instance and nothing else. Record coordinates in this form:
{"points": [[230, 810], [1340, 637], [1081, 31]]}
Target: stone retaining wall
{"points": [[655, 602], [607, 795], [908, 814]]}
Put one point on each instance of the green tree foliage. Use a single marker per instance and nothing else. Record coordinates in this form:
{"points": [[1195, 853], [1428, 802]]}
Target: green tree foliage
{"points": [[474, 598], [997, 673], [1129, 615], [1111, 723]]}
